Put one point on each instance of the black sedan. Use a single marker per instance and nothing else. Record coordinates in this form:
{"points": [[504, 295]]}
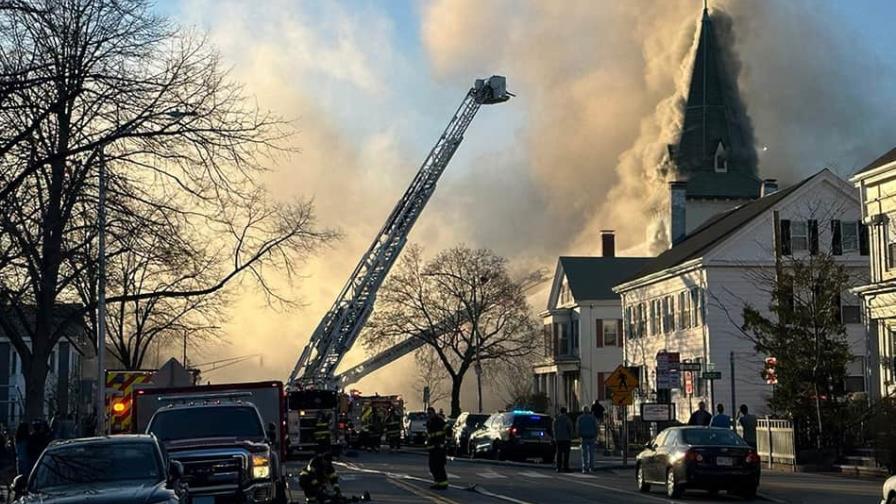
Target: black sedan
{"points": [[706, 458], [128, 468], [466, 424]]}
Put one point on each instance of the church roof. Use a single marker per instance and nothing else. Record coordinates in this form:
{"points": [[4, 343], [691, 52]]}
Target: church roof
{"points": [[714, 118]]}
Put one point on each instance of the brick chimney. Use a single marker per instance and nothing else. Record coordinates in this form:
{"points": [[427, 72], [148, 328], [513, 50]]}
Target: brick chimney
{"points": [[677, 225], [608, 243], [769, 186]]}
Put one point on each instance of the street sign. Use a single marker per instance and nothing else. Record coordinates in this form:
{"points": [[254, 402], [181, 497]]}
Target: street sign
{"points": [[667, 374], [621, 384], [712, 375], [690, 366], [657, 412]]}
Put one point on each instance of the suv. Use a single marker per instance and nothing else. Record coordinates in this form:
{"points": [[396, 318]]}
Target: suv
{"points": [[514, 435], [415, 427], [224, 450], [466, 423]]}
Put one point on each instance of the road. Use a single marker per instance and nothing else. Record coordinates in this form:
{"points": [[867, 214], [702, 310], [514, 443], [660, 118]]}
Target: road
{"points": [[404, 478]]}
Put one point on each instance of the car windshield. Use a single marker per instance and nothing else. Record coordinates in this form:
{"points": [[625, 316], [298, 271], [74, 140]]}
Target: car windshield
{"points": [[192, 423], [710, 437], [474, 420], [532, 421], [87, 463]]}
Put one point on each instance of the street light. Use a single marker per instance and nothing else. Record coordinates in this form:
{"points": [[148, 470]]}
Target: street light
{"points": [[483, 279], [100, 405]]}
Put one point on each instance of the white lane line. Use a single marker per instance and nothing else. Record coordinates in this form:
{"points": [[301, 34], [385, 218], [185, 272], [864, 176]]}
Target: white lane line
{"points": [[453, 476], [535, 475], [619, 490], [491, 475], [581, 475]]}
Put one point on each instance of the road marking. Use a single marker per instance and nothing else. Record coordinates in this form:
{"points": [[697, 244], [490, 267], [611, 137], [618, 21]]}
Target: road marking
{"points": [[771, 499], [482, 491], [535, 475], [581, 475], [420, 493], [616, 489], [491, 475]]}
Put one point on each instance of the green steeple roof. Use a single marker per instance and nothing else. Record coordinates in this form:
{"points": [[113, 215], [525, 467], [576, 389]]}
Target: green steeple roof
{"points": [[715, 153]]}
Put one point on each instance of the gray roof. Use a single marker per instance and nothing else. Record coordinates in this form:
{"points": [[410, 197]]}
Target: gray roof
{"points": [[887, 158], [593, 278], [715, 113], [713, 231]]}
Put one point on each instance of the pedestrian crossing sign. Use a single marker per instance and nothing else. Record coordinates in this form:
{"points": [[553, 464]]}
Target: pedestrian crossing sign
{"points": [[621, 383]]}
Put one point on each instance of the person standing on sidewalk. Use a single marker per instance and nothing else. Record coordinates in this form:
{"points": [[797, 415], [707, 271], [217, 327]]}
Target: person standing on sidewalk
{"points": [[701, 416], [720, 419], [435, 445], [586, 426], [563, 440], [748, 424]]}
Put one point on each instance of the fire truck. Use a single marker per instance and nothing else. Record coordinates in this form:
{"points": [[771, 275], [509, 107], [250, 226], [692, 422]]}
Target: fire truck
{"points": [[355, 423], [120, 387]]}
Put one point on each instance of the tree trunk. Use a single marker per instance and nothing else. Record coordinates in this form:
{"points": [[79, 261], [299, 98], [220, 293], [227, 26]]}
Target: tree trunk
{"points": [[456, 382], [35, 387]]}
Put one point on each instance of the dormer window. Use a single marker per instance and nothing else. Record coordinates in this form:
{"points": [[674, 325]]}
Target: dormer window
{"points": [[720, 158], [565, 293]]}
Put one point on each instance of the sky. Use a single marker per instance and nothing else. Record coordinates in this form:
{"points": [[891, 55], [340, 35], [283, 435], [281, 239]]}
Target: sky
{"points": [[370, 85]]}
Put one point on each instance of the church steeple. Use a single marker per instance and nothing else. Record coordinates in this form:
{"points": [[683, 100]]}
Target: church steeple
{"points": [[715, 124]]}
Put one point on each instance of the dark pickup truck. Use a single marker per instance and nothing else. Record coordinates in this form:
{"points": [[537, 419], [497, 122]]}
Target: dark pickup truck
{"points": [[228, 454]]}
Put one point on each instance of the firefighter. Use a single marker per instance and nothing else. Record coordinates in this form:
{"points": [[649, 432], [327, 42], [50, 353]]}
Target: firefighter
{"points": [[322, 432], [376, 430], [364, 432], [435, 444], [393, 429], [320, 483]]}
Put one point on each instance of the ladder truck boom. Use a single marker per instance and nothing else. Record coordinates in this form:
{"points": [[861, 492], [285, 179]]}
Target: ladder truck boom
{"points": [[340, 326]]}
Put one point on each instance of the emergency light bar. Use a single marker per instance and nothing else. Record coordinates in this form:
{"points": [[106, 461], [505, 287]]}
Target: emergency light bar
{"points": [[204, 397]]}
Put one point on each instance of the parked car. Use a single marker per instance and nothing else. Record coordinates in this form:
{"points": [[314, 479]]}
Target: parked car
{"points": [[514, 435], [464, 426], [708, 458], [414, 431], [889, 491], [123, 468]]}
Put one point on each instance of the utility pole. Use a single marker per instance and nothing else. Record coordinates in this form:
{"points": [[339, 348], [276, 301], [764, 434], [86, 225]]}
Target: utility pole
{"points": [[733, 400], [100, 405]]}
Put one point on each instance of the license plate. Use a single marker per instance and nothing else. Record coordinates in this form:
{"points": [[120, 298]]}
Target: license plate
{"points": [[538, 434], [724, 461], [203, 499]]}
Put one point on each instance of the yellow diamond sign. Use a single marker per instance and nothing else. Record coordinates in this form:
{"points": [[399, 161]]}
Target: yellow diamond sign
{"points": [[621, 384]]}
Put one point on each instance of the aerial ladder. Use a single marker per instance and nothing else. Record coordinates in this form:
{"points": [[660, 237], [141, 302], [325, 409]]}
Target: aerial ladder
{"points": [[340, 326]]}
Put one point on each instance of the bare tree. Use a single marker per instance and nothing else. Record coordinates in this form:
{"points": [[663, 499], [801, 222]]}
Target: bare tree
{"points": [[430, 374], [109, 83], [469, 292]]}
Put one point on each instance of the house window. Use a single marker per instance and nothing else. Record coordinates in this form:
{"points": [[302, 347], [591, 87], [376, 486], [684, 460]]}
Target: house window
{"points": [[574, 336], [684, 310], [562, 335], [695, 303], [565, 294], [629, 329], [548, 340], [850, 309], [668, 314], [799, 236], [610, 332], [849, 236]]}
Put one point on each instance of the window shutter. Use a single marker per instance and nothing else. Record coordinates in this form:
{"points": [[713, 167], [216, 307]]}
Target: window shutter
{"points": [[619, 333], [601, 387], [837, 306], [863, 239], [599, 332], [813, 237], [836, 238], [785, 237]]}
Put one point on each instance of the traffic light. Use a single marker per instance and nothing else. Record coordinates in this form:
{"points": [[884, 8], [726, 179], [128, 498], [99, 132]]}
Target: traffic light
{"points": [[771, 376]]}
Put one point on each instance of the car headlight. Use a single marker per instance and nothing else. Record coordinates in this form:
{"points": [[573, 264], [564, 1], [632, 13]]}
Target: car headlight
{"points": [[261, 467]]}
